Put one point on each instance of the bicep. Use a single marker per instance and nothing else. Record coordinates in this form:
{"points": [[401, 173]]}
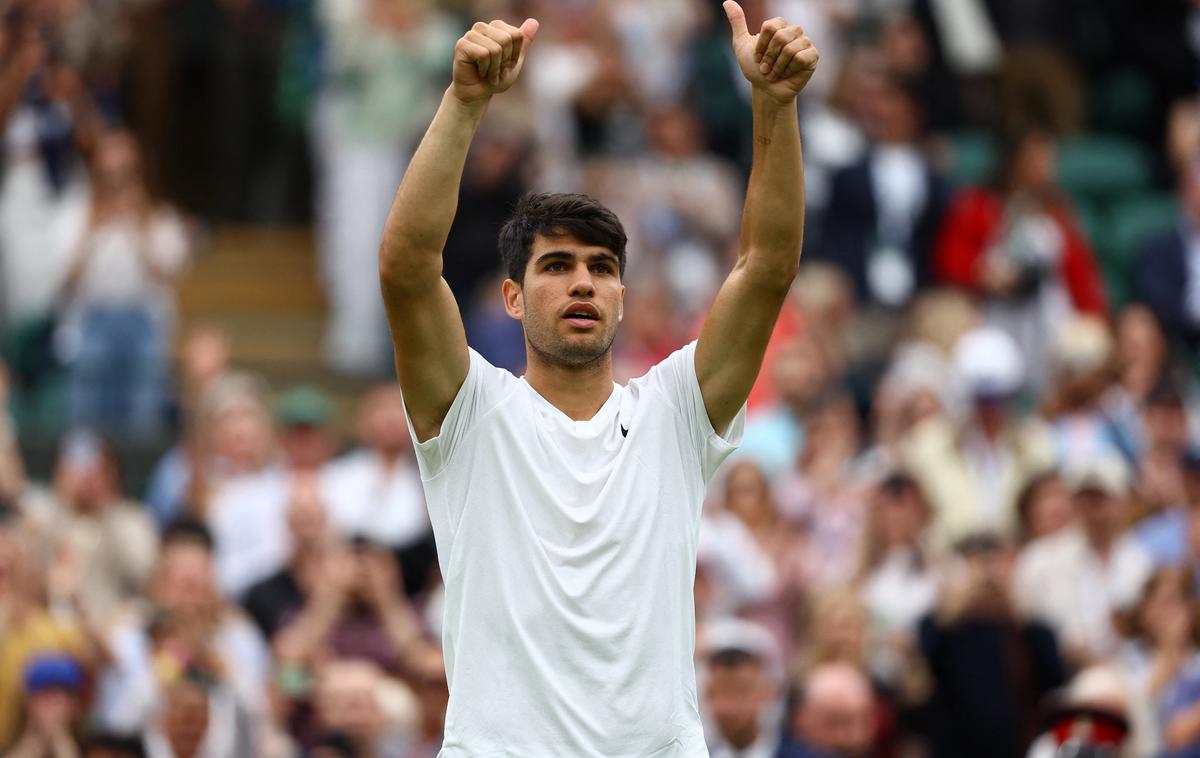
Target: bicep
{"points": [[431, 352], [733, 341]]}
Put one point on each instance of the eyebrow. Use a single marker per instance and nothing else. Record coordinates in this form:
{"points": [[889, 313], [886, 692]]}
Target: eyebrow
{"points": [[569, 256]]}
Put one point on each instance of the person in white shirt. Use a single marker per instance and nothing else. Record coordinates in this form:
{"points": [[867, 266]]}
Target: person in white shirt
{"points": [[375, 491], [566, 507], [1075, 579]]}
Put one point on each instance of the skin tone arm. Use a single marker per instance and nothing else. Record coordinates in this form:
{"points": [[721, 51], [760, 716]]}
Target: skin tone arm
{"points": [[427, 331], [778, 62]]}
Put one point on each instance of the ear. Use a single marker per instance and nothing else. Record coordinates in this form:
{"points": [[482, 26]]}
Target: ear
{"points": [[621, 305], [514, 299]]}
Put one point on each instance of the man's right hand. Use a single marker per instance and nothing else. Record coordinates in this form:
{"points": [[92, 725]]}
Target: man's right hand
{"points": [[488, 59]]}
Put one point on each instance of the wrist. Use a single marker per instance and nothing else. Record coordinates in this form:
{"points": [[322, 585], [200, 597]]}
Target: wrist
{"points": [[762, 99], [473, 108]]}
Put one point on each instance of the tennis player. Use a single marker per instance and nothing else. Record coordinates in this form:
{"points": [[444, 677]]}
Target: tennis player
{"points": [[565, 506]]}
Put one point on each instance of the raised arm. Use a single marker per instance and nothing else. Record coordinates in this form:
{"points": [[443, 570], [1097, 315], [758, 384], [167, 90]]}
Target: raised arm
{"points": [[427, 329], [778, 62]]}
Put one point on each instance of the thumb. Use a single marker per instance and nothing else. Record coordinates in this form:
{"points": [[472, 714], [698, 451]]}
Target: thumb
{"points": [[737, 19], [529, 28]]}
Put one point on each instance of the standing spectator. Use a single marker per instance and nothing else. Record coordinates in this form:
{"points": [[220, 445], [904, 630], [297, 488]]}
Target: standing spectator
{"points": [[1017, 245], [1076, 579], [125, 252], [107, 540], [990, 666], [834, 713], [885, 209]]}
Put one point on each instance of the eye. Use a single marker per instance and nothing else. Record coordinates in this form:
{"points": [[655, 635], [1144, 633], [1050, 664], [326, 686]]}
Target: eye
{"points": [[602, 268], [557, 266]]}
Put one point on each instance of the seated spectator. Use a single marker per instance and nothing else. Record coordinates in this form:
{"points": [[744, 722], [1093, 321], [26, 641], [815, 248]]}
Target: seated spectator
{"points": [[375, 491], [1081, 361], [195, 719], [357, 704], [990, 666], [1043, 508], [1160, 662], [1076, 579], [247, 513], [973, 471], [1018, 247], [1167, 282], [742, 697], [29, 629], [427, 676], [1164, 535], [834, 713], [12, 469], [109, 539], [54, 709], [1090, 719], [125, 254], [186, 633], [897, 581], [275, 601]]}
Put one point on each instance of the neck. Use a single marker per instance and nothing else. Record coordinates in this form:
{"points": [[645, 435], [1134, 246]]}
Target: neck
{"points": [[579, 392], [744, 738]]}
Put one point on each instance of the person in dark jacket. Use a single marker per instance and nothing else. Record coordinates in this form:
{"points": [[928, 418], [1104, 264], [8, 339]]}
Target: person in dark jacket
{"points": [[1168, 267]]}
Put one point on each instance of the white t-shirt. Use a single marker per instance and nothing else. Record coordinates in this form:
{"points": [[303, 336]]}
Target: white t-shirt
{"points": [[569, 555]]}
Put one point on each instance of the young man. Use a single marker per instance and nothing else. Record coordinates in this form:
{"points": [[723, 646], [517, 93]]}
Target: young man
{"points": [[566, 507]]}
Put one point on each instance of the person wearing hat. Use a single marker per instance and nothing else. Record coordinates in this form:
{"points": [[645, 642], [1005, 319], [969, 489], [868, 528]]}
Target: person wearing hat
{"points": [[248, 514], [741, 684], [1076, 578], [53, 708], [973, 470]]}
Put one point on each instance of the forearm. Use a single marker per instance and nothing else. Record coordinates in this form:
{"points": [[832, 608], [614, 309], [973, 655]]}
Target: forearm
{"points": [[773, 218], [424, 208]]}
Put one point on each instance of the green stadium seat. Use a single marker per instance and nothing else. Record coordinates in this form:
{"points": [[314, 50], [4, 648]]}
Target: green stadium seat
{"points": [[973, 157], [1100, 168]]}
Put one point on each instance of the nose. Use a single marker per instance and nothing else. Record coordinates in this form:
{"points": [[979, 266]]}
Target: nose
{"points": [[582, 285]]}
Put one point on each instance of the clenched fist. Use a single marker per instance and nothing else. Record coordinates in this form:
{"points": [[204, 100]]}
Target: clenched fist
{"points": [[488, 59], [779, 60]]}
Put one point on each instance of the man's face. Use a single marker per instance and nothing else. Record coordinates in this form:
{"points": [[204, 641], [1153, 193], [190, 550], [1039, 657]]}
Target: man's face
{"points": [[735, 695], [571, 302], [839, 723]]}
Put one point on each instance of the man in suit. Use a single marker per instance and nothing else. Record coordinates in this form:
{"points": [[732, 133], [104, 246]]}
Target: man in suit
{"points": [[1168, 270]]}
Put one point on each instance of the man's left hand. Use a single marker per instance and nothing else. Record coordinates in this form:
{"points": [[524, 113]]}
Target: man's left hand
{"points": [[779, 60]]}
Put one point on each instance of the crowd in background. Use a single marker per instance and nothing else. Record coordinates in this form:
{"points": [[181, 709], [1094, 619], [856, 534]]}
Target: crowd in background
{"points": [[968, 497]]}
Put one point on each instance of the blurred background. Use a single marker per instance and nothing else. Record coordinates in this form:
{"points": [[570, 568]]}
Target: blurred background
{"points": [[965, 520]]}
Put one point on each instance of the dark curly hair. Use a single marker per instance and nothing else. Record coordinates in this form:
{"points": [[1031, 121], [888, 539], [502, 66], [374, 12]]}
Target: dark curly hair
{"points": [[558, 215]]}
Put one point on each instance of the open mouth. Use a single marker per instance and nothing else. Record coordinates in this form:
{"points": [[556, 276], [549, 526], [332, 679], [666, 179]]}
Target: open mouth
{"points": [[582, 315]]}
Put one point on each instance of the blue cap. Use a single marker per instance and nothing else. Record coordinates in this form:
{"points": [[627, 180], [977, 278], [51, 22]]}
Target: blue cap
{"points": [[51, 670]]}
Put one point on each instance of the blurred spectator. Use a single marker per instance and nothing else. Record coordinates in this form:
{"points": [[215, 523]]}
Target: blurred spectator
{"points": [[247, 513], [885, 209], [1168, 278], [743, 702], [384, 66], [276, 600], [1164, 534], [973, 470], [186, 635], [195, 720], [104, 540], [834, 713], [1077, 578], [376, 490], [1090, 718], [358, 707], [53, 709], [30, 628], [990, 666], [12, 468], [44, 116], [1160, 662], [1044, 507], [427, 676], [1082, 371], [124, 252], [898, 582], [1017, 245]]}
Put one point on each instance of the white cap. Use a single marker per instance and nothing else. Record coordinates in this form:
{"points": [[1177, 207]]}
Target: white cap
{"points": [[731, 633], [1106, 473], [989, 363]]}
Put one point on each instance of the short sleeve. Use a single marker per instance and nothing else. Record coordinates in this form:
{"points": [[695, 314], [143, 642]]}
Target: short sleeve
{"points": [[676, 377], [481, 391]]}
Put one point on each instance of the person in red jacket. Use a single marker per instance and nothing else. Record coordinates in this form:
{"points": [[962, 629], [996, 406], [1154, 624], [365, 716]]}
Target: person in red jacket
{"points": [[1017, 245]]}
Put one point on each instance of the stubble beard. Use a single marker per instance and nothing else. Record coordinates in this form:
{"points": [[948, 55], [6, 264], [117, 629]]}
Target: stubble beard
{"points": [[553, 350]]}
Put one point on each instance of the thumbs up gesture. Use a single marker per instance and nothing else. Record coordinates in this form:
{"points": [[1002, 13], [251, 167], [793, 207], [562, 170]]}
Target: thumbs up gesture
{"points": [[779, 60]]}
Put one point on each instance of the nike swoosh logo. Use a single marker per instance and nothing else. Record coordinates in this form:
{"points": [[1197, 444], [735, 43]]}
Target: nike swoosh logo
{"points": [[624, 432]]}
